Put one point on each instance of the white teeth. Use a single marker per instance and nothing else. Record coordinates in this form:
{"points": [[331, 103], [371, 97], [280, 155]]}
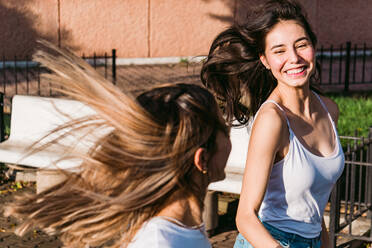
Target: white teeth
{"points": [[294, 71]]}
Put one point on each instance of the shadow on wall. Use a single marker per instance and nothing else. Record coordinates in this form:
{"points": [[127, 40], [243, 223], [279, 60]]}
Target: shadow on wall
{"points": [[19, 30], [230, 4], [239, 8]]}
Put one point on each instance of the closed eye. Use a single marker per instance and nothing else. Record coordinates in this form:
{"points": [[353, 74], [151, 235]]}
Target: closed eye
{"points": [[302, 45]]}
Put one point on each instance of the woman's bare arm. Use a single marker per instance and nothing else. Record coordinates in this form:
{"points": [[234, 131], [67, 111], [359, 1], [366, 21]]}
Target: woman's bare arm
{"points": [[334, 112], [266, 138]]}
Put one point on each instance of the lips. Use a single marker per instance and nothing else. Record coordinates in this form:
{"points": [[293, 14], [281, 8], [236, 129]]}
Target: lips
{"points": [[296, 70]]}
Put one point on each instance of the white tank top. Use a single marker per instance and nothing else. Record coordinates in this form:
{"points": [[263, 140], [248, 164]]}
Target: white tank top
{"points": [[159, 232], [300, 185]]}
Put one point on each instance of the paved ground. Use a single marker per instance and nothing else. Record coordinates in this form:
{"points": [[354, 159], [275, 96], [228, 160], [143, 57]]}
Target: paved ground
{"points": [[224, 240]]}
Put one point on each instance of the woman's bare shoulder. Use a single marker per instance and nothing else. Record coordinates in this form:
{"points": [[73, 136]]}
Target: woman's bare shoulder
{"points": [[332, 107], [270, 117]]}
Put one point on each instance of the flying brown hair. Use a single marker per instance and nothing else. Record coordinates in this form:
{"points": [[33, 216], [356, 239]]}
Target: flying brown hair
{"points": [[131, 173]]}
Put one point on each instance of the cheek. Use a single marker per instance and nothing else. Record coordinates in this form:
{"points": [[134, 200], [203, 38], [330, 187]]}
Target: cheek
{"points": [[308, 55], [276, 63]]}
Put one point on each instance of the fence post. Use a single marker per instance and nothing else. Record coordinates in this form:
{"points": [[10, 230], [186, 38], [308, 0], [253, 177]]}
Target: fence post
{"points": [[114, 66], [15, 75], [347, 66], [4, 75], [369, 172], [334, 214], [38, 80], [2, 122]]}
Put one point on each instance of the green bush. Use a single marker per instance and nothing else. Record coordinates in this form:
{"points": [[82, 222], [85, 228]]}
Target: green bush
{"points": [[355, 113]]}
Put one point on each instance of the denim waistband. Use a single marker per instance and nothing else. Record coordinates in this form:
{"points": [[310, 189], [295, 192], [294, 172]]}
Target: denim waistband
{"points": [[292, 237]]}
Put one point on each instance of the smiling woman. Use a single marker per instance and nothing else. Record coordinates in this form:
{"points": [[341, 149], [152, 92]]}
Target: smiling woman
{"points": [[266, 70], [289, 53]]}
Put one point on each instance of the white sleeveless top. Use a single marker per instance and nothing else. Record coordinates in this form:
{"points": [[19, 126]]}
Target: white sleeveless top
{"points": [[300, 185], [159, 232]]}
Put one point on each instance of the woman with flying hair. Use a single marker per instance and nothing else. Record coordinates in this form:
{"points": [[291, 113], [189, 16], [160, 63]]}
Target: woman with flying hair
{"points": [[265, 69], [144, 183]]}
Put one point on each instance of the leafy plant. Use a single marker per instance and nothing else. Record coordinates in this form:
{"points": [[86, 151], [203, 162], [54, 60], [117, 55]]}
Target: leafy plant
{"points": [[355, 113]]}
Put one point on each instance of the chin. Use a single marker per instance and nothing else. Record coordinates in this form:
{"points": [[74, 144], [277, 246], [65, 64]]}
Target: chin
{"points": [[298, 84]]}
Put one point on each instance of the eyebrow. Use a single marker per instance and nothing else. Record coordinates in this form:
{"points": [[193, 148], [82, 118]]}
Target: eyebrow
{"points": [[281, 45]]}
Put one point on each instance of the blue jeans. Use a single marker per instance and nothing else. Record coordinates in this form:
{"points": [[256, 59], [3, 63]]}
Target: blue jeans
{"points": [[284, 238]]}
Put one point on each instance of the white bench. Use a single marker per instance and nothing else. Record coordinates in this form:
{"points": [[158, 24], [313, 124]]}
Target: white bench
{"points": [[234, 170], [31, 119], [239, 137]]}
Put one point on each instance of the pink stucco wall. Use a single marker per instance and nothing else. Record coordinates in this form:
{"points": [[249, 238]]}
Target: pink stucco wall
{"points": [[100, 25], [141, 28], [157, 28], [184, 27], [340, 21]]}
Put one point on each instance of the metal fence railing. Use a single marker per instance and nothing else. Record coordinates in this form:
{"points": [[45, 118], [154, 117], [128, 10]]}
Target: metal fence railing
{"points": [[23, 77], [351, 198], [345, 66]]}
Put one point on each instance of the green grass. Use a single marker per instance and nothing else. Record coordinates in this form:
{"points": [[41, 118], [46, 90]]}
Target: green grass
{"points": [[355, 113]]}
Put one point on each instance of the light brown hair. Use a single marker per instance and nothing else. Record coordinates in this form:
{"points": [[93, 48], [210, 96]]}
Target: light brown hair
{"points": [[129, 175]]}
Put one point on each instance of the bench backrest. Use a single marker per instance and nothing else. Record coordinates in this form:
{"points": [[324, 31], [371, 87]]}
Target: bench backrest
{"points": [[239, 137], [34, 117]]}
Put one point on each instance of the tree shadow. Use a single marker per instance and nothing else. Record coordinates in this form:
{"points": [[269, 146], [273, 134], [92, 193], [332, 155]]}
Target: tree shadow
{"points": [[239, 10], [231, 5], [20, 32]]}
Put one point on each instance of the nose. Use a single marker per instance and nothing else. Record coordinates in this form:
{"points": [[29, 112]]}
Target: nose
{"points": [[293, 56]]}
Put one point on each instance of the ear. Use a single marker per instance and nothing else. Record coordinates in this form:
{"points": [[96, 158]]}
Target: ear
{"points": [[264, 61], [201, 160]]}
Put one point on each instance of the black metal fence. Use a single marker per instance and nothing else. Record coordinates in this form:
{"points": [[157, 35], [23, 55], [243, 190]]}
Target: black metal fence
{"points": [[345, 67], [97, 61], [23, 77], [351, 199]]}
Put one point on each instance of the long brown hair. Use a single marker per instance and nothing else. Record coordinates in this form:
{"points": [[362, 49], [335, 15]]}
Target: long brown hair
{"points": [[233, 70], [129, 174]]}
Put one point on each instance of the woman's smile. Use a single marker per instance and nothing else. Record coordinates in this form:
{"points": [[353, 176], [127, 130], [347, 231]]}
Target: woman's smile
{"points": [[289, 54]]}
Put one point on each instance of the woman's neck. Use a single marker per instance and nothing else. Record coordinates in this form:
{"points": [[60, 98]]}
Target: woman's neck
{"points": [[185, 209], [295, 100]]}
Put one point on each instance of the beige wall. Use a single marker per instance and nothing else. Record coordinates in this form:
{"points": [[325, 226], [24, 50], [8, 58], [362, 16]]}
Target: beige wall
{"points": [[184, 27], [100, 25], [23, 22], [157, 28], [340, 21]]}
